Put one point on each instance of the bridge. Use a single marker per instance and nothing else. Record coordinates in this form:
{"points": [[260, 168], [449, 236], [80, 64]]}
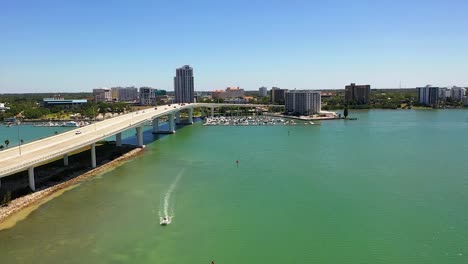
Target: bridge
{"points": [[33, 154]]}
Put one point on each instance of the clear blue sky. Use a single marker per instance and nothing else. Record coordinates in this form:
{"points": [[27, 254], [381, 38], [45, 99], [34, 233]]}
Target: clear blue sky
{"points": [[67, 46]]}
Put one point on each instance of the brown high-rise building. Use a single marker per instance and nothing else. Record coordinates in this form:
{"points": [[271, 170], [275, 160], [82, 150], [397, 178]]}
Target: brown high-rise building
{"points": [[278, 95], [358, 94]]}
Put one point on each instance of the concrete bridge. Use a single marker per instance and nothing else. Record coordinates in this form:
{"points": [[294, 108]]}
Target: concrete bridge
{"points": [[33, 154]]}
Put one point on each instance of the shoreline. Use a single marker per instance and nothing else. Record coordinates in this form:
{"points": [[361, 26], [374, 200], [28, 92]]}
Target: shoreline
{"points": [[16, 210]]}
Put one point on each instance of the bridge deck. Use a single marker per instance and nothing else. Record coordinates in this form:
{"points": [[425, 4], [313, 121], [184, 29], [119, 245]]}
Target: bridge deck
{"points": [[42, 150]]}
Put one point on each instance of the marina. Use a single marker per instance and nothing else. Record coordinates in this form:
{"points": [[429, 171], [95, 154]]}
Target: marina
{"points": [[254, 121], [63, 124]]}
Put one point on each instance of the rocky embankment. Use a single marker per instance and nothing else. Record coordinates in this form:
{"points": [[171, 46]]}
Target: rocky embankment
{"points": [[53, 177]]}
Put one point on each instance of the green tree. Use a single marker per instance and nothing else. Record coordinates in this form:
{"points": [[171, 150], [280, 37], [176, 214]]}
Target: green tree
{"points": [[345, 113], [7, 142], [1, 147], [32, 113]]}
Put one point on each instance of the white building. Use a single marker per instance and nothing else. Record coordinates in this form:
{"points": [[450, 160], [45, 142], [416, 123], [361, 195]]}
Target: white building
{"points": [[262, 91], [183, 85], [230, 92], [444, 93], [458, 93], [428, 95], [147, 96], [3, 107], [303, 102], [102, 95]]}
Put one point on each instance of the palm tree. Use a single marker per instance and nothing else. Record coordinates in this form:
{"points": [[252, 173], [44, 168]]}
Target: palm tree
{"points": [[7, 142], [345, 113], [1, 147]]}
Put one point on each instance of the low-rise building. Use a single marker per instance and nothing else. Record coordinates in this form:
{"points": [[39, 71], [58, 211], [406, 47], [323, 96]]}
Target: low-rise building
{"points": [[3, 107], [303, 102], [60, 101], [230, 92]]}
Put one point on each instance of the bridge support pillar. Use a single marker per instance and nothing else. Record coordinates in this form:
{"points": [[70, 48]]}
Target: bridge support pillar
{"points": [[118, 139], [155, 125], [177, 116], [65, 160], [32, 183], [190, 115], [139, 131], [93, 155], [171, 123], [212, 111]]}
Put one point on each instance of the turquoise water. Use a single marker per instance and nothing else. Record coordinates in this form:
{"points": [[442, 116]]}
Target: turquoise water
{"points": [[390, 187], [27, 133]]}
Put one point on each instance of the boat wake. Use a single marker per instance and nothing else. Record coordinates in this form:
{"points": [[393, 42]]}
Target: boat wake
{"points": [[167, 203]]}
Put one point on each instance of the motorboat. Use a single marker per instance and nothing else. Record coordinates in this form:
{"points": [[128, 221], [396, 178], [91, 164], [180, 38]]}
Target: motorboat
{"points": [[165, 220]]}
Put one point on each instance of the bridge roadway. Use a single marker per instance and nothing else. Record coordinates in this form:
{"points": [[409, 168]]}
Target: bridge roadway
{"points": [[27, 156]]}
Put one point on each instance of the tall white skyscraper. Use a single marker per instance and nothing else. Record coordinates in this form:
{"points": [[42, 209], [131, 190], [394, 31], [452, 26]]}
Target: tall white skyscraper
{"points": [[183, 85], [262, 91]]}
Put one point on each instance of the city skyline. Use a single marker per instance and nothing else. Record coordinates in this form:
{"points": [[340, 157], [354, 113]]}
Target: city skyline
{"points": [[80, 46]]}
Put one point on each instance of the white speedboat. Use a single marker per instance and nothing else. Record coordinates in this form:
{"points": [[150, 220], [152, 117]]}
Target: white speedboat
{"points": [[165, 220]]}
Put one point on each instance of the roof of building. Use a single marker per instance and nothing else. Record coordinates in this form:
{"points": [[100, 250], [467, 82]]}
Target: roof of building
{"points": [[233, 88], [64, 101]]}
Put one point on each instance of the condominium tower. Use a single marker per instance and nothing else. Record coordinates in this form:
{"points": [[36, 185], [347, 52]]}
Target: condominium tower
{"points": [[183, 85], [303, 102], [428, 95], [458, 93], [359, 94]]}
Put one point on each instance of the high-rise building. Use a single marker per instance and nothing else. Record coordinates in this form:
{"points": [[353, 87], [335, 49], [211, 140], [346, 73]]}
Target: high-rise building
{"points": [[428, 95], [183, 85], [278, 95], [262, 91], [303, 102], [444, 93], [102, 95], [147, 96], [458, 93], [359, 94]]}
